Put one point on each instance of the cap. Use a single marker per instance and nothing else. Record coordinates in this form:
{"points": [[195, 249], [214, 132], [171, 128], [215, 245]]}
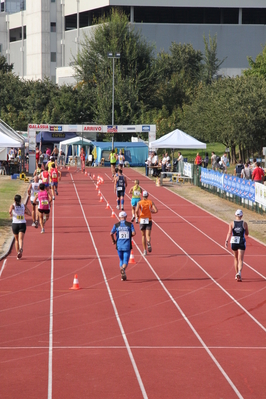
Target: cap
{"points": [[239, 213], [122, 214], [51, 157], [145, 194]]}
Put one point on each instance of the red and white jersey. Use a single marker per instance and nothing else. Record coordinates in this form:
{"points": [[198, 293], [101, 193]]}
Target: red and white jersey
{"points": [[54, 175], [45, 177]]}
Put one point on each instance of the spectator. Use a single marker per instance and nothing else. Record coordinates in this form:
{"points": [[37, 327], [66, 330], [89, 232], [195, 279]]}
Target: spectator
{"points": [[239, 167], [206, 160], [253, 165], [246, 172], [198, 160], [258, 174], [214, 161], [224, 162]]}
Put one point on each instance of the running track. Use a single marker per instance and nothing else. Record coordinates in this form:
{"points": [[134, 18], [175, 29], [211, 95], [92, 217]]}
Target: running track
{"points": [[180, 327]]}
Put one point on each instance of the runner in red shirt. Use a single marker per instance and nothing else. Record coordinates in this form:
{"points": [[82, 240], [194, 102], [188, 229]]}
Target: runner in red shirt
{"points": [[198, 160], [45, 178], [82, 159], [258, 174], [55, 176]]}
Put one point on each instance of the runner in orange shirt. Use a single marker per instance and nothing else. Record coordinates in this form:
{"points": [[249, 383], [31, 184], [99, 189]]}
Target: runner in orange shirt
{"points": [[144, 209]]}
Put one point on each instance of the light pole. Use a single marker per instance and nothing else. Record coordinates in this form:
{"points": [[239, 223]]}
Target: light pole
{"points": [[113, 56]]}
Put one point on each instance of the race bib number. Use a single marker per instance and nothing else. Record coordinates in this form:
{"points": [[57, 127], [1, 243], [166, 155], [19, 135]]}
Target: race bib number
{"points": [[119, 188], [44, 202], [144, 221], [137, 193], [54, 175], [20, 217], [235, 240], [123, 235], [35, 193], [44, 179]]}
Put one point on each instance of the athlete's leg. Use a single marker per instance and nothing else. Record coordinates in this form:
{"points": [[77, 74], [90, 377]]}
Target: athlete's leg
{"points": [[20, 239], [16, 242], [241, 253], [236, 261]]}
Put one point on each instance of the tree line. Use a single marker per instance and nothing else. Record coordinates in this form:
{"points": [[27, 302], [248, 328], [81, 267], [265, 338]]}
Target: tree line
{"points": [[177, 89]]}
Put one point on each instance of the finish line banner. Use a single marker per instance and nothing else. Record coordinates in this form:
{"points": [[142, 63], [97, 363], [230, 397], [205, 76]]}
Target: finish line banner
{"points": [[231, 184]]}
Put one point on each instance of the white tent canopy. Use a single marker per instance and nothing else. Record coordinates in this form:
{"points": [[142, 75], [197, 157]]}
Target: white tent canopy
{"points": [[75, 143], [177, 139], [6, 141]]}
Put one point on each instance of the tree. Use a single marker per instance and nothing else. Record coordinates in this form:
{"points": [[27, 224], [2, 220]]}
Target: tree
{"points": [[211, 62], [4, 66], [257, 67], [230, 111], [135, 76]]}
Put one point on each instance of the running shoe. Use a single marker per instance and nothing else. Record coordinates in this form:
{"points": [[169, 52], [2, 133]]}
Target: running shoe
{"points": [[56, 192], [144, 252], [117, 206], [149, 246], [34, 224], [53, 198], [136, 220], [132, 219], [238, 276], [122, 208], [123, 274], [19, 255], [42, 231]]}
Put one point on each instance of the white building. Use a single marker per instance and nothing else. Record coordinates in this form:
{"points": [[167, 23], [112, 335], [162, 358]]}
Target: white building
{"points": [[40, 37]]}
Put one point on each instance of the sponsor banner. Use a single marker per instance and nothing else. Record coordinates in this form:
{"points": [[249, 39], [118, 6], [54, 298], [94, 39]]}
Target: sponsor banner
{"points": [[38, 127], [231, 184], [56, 128], [260, 193], [112, 129], [92, 128], [212, 178], [129, 128], [146, 128], [187, 171]]}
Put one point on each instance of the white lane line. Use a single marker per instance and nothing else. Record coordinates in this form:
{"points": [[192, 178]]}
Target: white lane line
{"points": [[144, 394], [50, 352], [3, 267]]}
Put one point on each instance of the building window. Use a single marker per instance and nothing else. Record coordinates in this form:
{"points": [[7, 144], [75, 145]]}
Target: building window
{"points": [[53, 57], [52, 1], [53, 26]]}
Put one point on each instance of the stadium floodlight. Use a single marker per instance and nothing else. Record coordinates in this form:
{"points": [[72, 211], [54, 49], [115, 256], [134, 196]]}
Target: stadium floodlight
{"points": [[113, 56]]}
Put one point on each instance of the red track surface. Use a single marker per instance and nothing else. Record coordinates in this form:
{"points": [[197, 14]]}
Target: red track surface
{"points": [[180, 327]]}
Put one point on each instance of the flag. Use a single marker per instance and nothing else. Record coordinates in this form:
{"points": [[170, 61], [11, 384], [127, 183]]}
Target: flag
{"points": [[94, 153]]}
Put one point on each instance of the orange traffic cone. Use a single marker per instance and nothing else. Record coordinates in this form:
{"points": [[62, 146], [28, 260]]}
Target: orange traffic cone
{"points": [[132, 243], [99, 192], [86, 173], [101, 199], [107, 206], [131, 259], [75, 283], [93, 176], [113, 214], [68, 168], [97, 187]]}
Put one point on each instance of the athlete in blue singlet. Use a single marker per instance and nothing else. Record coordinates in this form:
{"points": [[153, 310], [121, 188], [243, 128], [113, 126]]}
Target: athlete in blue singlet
{"points": [[237, 231], [120, 184], [123, 231]]}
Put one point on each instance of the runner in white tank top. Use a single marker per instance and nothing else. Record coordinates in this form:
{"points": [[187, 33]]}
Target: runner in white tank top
{"points": [[17, 212], [33, 192]]}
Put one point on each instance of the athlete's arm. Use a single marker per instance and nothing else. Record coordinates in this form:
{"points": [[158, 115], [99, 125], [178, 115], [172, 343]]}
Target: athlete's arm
{"points": [[246, 229], [229, 233], [113, 238], [11, 209], [29, 189], [154, 208]]}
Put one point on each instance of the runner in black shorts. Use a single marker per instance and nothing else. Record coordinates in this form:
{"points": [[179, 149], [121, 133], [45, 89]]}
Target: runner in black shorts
{"points": [[237, 231], [17, 212]]}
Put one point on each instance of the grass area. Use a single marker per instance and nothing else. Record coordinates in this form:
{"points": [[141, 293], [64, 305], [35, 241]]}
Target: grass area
{"points": [[8, 189]]}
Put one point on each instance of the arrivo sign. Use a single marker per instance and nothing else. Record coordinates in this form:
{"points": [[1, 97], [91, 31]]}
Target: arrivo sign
{"points": [[38, 126], [93, 128]]}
